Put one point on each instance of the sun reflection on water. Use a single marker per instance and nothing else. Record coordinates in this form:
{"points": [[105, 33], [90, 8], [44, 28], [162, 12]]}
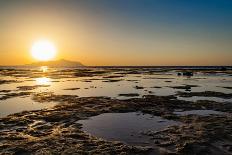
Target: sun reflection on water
{"points": [[43, 81], [44, 68]]}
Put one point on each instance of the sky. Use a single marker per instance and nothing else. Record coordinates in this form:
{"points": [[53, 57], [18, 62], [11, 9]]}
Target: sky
{"points": [[119, 32]]}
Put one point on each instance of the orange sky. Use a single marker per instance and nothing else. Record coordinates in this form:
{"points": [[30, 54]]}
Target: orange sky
{"points": [[102, 38]]}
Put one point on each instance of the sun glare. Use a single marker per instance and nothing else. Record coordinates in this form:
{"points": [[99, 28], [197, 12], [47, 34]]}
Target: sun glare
{"points": [[43, 81], [44, 69], [43, 50]]}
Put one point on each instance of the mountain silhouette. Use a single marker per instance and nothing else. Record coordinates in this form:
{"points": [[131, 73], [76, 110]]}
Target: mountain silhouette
{"points": [[57, 63]]}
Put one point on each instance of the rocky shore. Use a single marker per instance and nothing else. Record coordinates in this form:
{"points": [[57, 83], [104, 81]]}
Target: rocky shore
{"points": [[56, 131]]}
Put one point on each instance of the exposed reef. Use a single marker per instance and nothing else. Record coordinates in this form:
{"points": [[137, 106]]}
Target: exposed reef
{"points": [[55, 131], [10, 95], [8, 81], [206, 94]]}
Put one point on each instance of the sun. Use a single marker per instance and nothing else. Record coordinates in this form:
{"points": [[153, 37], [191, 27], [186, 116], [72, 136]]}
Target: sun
{"points": [[43, 50]]}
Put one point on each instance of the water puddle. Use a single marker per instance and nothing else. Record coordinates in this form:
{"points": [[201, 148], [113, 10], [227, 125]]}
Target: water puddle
{"points": [[125, 127], [19, 104], [199, 112]]}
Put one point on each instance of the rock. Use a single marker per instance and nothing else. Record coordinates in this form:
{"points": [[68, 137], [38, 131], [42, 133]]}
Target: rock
{"points": [[156, 142], [139, 87], [129, 95], [187, 73], [223, 69]]}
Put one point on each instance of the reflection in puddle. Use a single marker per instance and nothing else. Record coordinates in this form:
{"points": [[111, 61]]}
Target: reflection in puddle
{"points": [[43, 81], [125, 127], [199, 112], [19, 104]]}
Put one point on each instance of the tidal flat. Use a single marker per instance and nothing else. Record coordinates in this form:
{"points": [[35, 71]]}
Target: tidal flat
{"points": [[116, 110]]}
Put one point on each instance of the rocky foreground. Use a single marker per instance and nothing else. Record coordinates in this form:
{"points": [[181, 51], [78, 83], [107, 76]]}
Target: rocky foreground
{"points": [[56, 131]]}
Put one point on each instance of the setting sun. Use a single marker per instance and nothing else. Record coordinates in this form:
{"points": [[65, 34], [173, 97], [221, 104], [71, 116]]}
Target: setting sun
{"points": [[43, 50]]}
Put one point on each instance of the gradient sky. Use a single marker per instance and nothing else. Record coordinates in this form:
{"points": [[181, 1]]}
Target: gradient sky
{"points": [[119, 32]]}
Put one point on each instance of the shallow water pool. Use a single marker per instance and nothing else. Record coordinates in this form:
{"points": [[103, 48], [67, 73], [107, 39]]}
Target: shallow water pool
{"points": [[125, 127]]}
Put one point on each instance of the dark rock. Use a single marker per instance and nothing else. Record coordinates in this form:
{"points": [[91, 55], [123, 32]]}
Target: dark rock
{"points": [[187, 73], [223, 69]]}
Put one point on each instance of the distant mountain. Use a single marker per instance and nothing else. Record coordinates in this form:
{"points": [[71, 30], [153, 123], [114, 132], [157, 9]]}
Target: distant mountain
{"points": [[58, 63]]}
